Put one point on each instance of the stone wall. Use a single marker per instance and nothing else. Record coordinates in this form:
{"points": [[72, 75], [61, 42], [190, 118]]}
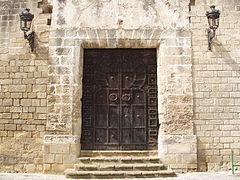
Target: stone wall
{"points": [[59, 153], [216, 81], [23, 89], [40, 92], [163, 25]]}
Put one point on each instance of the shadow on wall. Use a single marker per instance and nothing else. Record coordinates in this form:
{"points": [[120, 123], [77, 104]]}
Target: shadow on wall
{"points": [[226, 57], [223, 53], [201, 157]]}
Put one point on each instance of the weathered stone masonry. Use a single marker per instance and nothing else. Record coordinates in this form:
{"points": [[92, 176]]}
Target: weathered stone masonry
{"points": [[40, 93], [168, 140], [23, 90], [67, 44], [216, 86]]}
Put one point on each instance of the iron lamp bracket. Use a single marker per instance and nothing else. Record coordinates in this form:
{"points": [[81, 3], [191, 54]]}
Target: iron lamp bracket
{"points": [[31, 39], [211, 35]]}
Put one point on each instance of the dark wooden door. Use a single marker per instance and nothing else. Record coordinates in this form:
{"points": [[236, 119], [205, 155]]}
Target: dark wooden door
{"points": [[117, 101]]}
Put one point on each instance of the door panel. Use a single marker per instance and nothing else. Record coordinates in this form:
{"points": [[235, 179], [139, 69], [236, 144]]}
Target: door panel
{"points": [[127, 80], [138, 97], [101, 97], [139, 117], [138, 135], [113, 116], [126, 119], [101, 116], [126, 136], [112, 80], [100, 135], [119, 99], [113, 136]]}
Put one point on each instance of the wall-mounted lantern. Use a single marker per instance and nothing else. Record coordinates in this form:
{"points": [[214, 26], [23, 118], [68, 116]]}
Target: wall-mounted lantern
{"points": [[25, 24], [213, 21]]}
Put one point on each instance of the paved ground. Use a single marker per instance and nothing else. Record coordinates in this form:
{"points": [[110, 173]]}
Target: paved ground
{"points": [[188, 176]]}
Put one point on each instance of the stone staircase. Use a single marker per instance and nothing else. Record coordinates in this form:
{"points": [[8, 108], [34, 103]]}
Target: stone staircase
{"points": [[118, 164]]}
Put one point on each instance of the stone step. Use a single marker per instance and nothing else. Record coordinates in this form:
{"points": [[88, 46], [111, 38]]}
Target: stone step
{"points": [[119, 167], [118, 164], [120, 160], [87, 153], [72, 173]]}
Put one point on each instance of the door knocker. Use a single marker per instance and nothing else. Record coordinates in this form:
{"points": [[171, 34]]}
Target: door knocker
{"points": [[113, 97], [126, 97]]}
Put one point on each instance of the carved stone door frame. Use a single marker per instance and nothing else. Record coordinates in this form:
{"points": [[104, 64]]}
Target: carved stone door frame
{"points": [[176, 137]]}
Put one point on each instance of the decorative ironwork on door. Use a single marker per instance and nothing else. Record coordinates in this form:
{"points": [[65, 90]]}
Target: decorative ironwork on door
{"points": [[119, 103]]}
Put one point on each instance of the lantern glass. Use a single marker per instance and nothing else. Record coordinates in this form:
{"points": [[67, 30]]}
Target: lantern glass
{"points": [[217, 22], [210, 22], [25, 25], [26, 20]]}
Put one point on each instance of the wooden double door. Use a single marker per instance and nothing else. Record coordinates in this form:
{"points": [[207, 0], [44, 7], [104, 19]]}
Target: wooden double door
{"points": [[119, 99]]}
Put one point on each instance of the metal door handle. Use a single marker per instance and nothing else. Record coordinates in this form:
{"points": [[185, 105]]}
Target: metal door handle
{"points": [[126, 97], [113, 97]]}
